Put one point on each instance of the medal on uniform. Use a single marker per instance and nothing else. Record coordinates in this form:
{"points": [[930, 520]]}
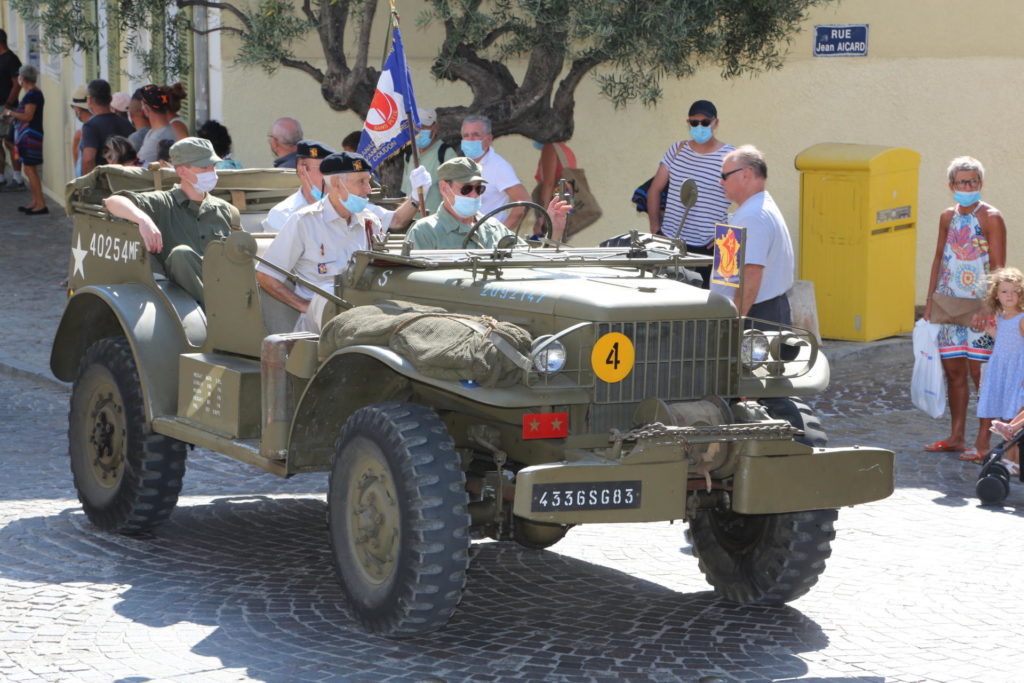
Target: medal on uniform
{"points": [[321, 268]]}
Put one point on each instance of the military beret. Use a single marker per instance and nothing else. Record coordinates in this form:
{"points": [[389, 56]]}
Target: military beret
{"points": [[344, 162], [193, 151], [311, 149], [461, 170]]}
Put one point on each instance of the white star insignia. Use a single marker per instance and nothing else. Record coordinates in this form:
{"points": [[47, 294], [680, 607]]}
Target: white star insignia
{"points": [[79, 255], [556, 424], [534, 425]]}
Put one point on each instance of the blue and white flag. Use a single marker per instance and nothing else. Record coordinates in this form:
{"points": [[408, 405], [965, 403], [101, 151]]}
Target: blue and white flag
{"points": [[387, 128]]}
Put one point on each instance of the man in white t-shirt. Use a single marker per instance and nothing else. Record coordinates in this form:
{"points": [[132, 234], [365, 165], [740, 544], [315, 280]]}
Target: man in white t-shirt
{"points": [[768, 269], [503, 185]]}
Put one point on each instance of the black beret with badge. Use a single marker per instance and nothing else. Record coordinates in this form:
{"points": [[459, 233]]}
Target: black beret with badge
{"points": [[344, 162], [311, 149]]}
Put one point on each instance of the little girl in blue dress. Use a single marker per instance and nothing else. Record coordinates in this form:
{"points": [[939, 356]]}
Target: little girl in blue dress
{"points": [[1002, 388]]}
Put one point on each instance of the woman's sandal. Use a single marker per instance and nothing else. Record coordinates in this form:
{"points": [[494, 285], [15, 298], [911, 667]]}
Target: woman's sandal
{"points": [[942, 446], [972, 455], [1003, 429]]}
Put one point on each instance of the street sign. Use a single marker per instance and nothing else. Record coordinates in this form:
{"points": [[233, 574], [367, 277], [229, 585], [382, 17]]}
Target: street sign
{"points": [[841, 40]]}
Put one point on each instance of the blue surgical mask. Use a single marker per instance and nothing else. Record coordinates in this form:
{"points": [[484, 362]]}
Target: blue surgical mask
{"points": [[474, 149], [423, 138], [700, 134], [538, 145], [353, 203], [466, 207], [967, 198], [317, 193]]}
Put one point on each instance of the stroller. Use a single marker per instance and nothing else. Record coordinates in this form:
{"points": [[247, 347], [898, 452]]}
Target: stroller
{"points": [[994, 480]]}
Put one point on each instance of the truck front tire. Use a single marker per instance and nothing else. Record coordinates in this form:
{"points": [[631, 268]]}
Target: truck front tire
{"points": [[128, 479], [398, 519]]}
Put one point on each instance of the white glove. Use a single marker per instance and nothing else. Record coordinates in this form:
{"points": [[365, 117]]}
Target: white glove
{"points": [[419, 179]]}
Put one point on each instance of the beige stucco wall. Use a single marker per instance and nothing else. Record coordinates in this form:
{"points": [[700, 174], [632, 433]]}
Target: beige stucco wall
{"points": [[941, 78]]}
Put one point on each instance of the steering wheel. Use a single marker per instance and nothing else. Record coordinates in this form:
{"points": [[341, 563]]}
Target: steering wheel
{"points": [[548, 228]]}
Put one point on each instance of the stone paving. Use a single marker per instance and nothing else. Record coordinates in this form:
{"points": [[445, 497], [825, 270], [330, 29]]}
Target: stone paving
{"points": [[238, 585]]}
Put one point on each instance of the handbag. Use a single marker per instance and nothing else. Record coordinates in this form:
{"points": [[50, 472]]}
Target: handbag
{"points": [[954, 310], [585, 209], [639, 197], [928, 382]]}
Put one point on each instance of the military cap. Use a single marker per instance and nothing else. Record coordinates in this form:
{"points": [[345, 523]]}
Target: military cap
{"points": [[461, 170], [193, 151], [344, 162], [311, 149]]}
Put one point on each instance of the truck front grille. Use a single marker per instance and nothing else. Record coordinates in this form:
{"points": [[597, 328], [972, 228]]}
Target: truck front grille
{"points": [[676, 360]]}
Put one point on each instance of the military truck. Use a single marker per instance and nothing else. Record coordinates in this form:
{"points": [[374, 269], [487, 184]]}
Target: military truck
{"points": [[637, 398]]}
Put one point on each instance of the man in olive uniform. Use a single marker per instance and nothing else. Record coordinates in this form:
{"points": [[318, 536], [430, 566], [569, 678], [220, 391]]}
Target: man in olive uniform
{"points": [[461, 183], [177, 224]]}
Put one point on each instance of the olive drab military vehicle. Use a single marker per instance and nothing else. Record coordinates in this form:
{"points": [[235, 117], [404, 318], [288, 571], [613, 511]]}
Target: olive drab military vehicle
{"points": [[636, 398]]}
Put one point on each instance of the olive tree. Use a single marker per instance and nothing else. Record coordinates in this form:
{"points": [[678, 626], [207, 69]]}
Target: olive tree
{"points": [[629, 46]]}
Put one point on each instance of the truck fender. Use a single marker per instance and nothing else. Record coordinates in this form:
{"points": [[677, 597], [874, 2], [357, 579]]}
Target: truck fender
{"points": [[157, 332]]}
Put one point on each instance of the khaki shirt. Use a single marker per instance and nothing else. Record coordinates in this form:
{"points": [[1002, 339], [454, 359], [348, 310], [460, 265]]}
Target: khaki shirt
{"points": [[443, 231], [183, 221]]}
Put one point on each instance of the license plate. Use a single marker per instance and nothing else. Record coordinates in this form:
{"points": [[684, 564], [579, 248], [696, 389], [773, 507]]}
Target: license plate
{"points": [[588, 495]]}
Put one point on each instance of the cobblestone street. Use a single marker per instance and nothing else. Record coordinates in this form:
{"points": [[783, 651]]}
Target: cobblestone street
{"points": [[238, 585]]}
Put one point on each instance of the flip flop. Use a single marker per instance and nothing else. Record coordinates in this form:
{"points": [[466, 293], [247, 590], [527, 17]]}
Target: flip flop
{"points": [[940, 446], [971, 455]]}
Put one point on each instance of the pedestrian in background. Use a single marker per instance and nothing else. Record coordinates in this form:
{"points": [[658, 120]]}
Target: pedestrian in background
{"points": [[102, 125], [9, 89], [433, 152], [176, 94], [284, 137], [120, 151], [28, 136], [156, 103], [503, 184], [699, 158], [138, 118], [549, 170], [80, 108], [1002, 389], [218, 135], [971, 242]]}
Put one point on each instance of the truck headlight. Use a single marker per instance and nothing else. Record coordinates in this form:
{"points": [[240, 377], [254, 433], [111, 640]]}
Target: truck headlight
{"points": [[548, 355], [754, 349]]}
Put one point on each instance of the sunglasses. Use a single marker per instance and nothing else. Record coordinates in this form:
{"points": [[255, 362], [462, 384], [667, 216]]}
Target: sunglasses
{"points": [[699, 122], [735, 170], [466, 189]]}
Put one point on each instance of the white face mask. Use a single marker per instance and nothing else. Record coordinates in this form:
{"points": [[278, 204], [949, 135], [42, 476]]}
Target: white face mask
{"points": [[205, 182]]}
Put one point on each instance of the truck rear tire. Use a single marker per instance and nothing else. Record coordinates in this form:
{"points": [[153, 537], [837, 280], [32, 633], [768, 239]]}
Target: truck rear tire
{"points": [[398, 519], [128, 479], [767, 559]]}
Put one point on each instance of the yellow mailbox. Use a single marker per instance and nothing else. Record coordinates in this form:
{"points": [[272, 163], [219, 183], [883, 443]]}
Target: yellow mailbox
{"points": [[858, 227]]}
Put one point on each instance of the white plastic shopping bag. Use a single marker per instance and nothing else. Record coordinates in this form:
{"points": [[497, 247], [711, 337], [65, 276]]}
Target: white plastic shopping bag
{"points": [[928, 385]]}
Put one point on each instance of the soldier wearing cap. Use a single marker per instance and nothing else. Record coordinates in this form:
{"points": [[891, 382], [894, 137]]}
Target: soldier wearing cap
{"points": [[308, 155], [462, 183], [318, 240], [177, 224]]}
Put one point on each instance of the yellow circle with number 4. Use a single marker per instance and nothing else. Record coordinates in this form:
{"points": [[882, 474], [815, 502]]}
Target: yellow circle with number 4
{"points": [[612, 357]]}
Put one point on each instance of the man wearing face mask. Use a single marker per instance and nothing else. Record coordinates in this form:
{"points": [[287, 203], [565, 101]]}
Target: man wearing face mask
{"points": [[462, 185], [318, 240], [433, 152], [188, 216], [699, 158], [308, 156], [502, 181]]}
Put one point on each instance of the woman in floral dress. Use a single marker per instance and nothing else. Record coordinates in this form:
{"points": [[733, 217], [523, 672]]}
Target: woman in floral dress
{"points": [[971, 242]]}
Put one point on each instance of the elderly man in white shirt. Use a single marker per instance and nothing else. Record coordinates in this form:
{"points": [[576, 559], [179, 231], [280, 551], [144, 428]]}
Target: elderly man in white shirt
{"points": [[318, 241], [503, 184], [308, 155]]}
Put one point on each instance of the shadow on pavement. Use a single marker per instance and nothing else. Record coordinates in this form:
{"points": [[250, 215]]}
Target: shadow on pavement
{"points": [[258, 570]]}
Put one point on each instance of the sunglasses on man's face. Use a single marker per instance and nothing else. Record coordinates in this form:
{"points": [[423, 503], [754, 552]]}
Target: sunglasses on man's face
{"points": [[699, 122], [465, 190]]}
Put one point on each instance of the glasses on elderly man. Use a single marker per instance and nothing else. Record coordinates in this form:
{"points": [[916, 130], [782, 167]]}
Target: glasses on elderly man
{"points": [[466, 189], [967, 184]]}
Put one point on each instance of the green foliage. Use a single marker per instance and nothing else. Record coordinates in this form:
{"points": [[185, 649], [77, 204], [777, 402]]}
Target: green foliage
{"points": [[273, 27]]}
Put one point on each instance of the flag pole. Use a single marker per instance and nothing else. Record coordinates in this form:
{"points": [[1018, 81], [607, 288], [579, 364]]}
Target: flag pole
{"points": [[408, 117]]}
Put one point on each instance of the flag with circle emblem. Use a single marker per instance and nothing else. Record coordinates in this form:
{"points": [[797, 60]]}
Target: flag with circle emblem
{"points": [[388, 127]]}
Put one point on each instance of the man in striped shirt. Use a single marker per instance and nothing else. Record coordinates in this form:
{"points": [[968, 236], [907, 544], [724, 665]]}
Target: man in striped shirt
{"points": [[699, 158]]}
